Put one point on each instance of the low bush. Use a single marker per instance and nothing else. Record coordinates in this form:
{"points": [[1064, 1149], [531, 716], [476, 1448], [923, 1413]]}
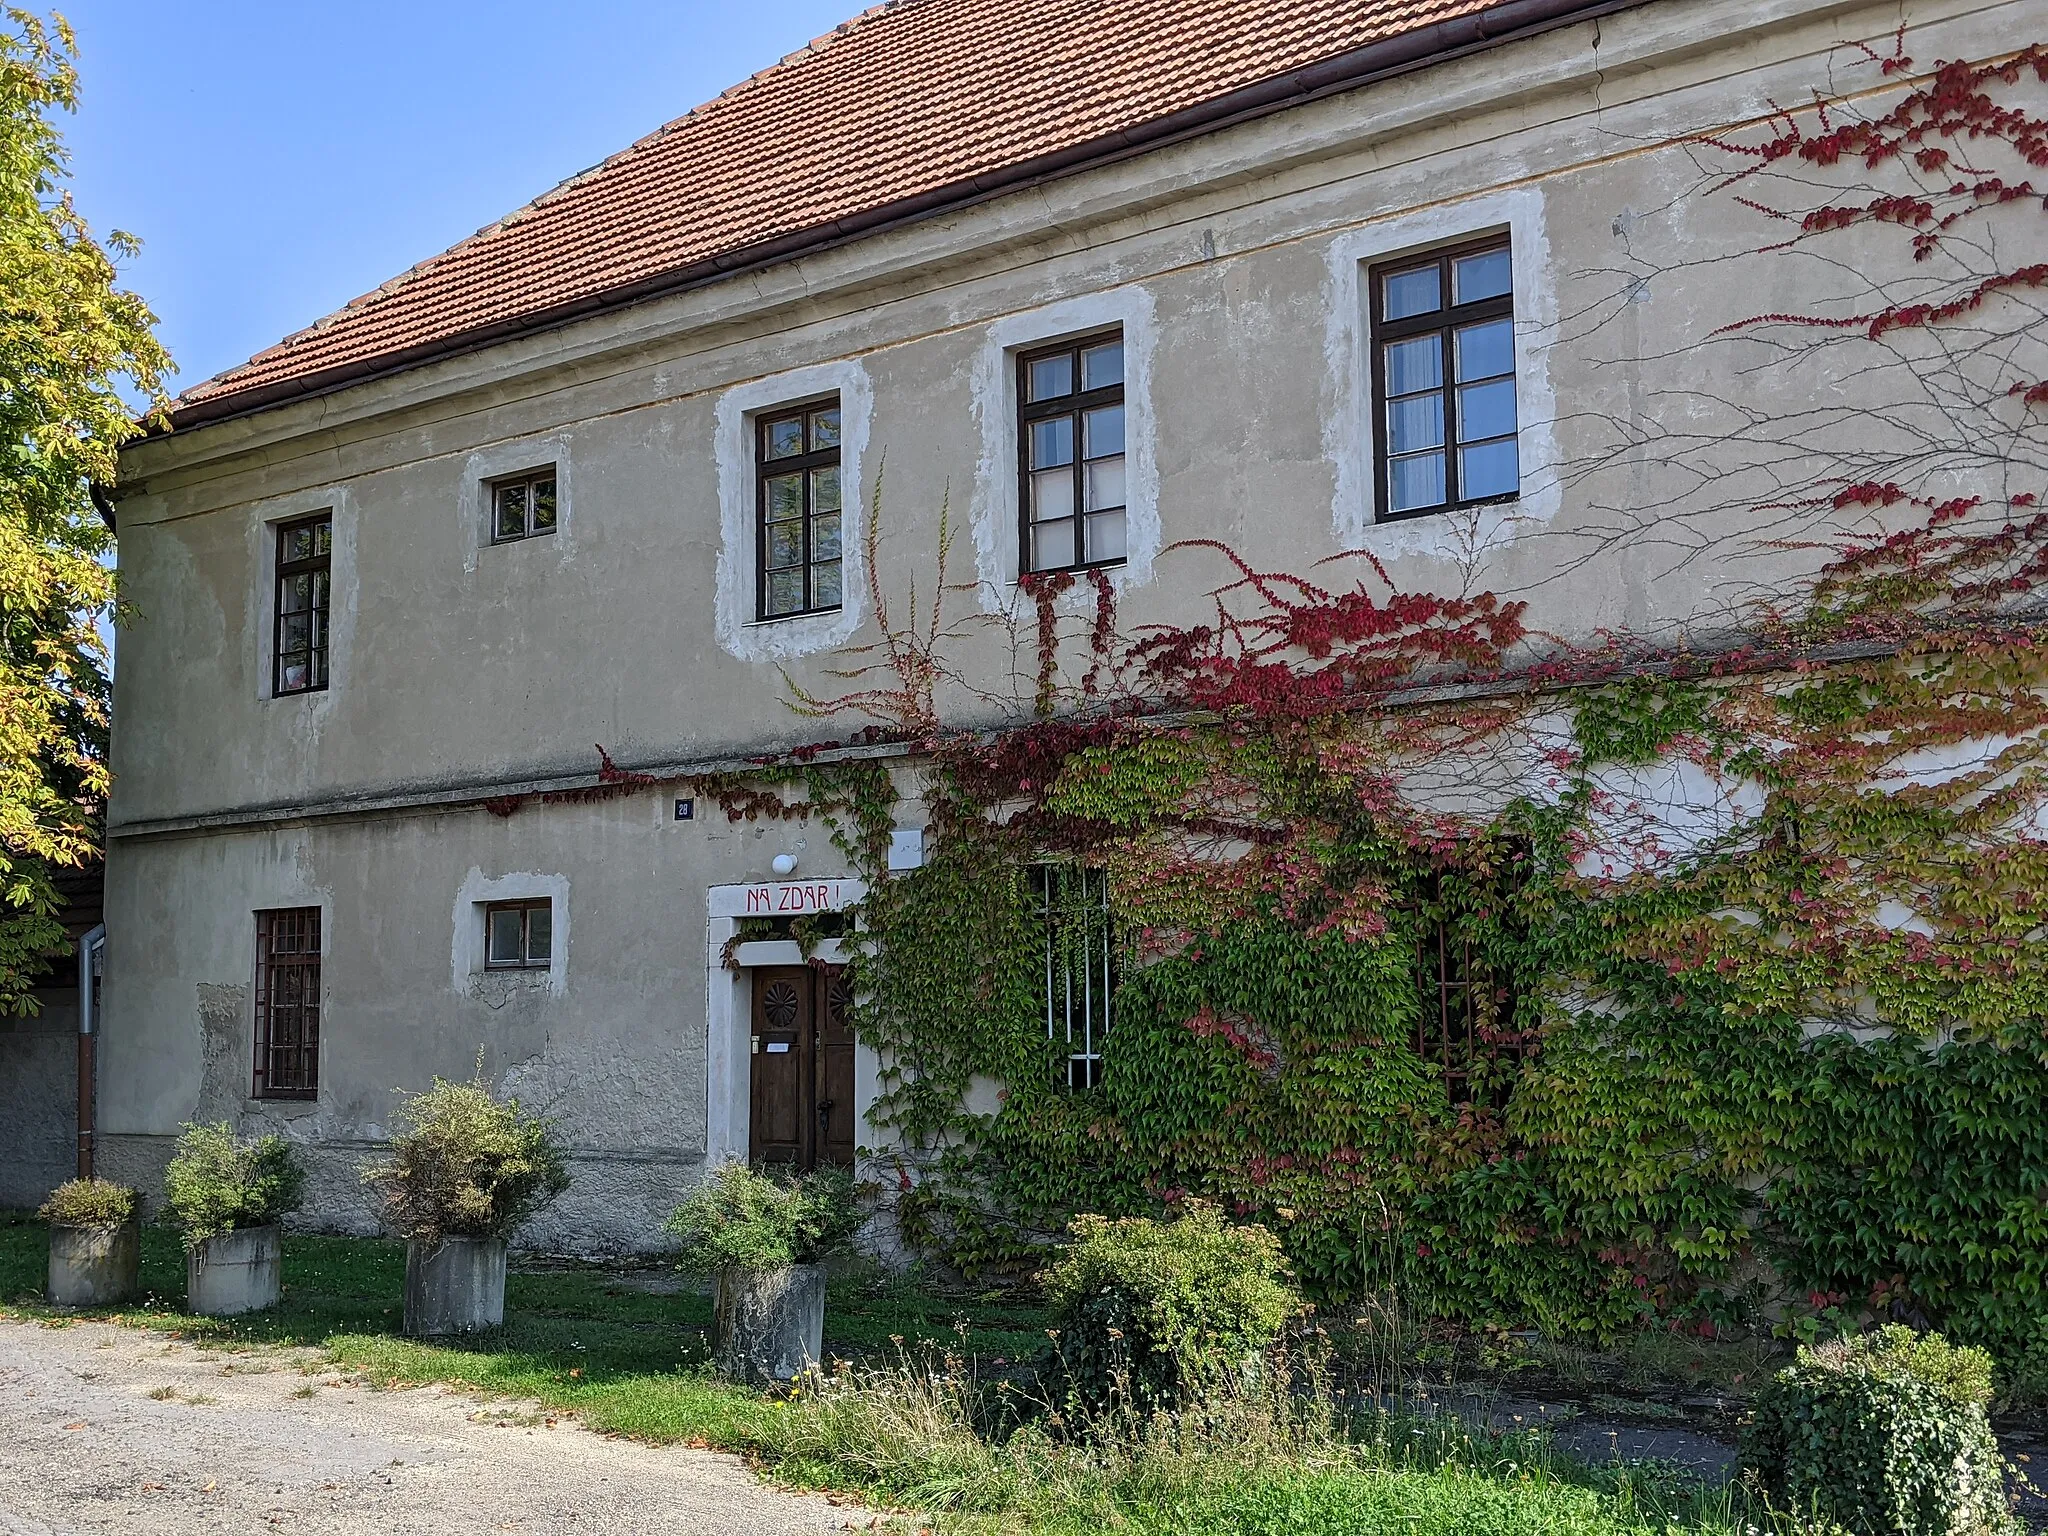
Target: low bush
{"points": [[742, 1219], [217, 1182], [1883, 1432], [1158, 1311], [467, 1164], [89, 1203]]}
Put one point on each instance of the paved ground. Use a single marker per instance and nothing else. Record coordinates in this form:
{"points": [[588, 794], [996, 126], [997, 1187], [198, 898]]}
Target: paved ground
{"points": [[109, 1429]]}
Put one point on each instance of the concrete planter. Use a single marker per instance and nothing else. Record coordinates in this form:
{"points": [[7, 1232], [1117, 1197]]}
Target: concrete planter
{"points": [[95, 1266], [768, 1325], [234, 1273], [454, 1286]]}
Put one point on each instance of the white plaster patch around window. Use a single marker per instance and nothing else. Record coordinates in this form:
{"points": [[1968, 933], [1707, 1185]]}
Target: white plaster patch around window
{"points": [[466, 953], [495, 463], [1351, 434], [312, 707], [739, 632], [994, 399]]}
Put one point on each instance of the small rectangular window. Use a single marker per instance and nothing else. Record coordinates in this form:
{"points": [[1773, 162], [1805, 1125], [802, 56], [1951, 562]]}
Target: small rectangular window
{"points": [[519, 935], [288, 1003], [800, 558], [305, 557], [1070, 442], [1443, 380], [1079, 960], [523, 506]]}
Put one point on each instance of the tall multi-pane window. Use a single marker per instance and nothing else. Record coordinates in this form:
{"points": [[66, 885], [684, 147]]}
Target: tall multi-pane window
{"points": [[797, 470], [288, 1003], [1070, 431], [1444, 380], [1079, 963], [305, 556], [523, 506]]}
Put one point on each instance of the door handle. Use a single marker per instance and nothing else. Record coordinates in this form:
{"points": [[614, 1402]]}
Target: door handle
{"points": [[825, 1108]]}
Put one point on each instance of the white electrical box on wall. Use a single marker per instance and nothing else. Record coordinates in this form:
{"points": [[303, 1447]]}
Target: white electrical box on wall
{"points": [[906, 848]]}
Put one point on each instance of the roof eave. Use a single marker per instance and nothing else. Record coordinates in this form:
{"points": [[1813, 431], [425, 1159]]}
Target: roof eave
{"points": [[1437, 43]]}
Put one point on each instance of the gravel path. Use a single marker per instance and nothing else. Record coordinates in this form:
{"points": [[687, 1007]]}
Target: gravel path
{"points": [[110, 1429]]}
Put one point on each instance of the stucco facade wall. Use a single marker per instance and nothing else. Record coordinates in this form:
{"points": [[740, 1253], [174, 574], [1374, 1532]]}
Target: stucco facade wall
{"points": [[1235, 265]]}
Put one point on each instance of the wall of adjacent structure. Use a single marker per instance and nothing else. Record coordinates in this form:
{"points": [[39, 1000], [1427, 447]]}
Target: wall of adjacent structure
{"points": [[1234, 264], [38, 1099]]}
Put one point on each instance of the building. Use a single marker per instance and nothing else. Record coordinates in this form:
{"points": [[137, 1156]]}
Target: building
{"points": [[572, 499]]}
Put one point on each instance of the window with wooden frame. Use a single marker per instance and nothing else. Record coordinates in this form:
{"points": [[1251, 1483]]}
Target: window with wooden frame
{"points": [[288, 1003], [1079, 964], [1070, 446], [1467, 1028], [519, 935], [1443, 380], [798, 557], [522, 505], [305, 559]]}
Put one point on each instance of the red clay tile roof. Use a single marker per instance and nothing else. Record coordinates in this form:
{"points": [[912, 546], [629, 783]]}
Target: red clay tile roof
{"points": [[911, 106]]}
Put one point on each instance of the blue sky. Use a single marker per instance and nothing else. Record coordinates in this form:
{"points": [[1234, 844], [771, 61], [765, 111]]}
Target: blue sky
{"points": [[279, 158]]}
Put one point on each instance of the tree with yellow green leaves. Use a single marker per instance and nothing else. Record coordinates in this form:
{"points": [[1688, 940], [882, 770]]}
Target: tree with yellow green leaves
{"points": [[69, 341]]}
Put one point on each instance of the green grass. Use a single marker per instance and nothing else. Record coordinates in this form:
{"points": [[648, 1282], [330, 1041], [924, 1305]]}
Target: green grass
{"points": [[899, 1426]]}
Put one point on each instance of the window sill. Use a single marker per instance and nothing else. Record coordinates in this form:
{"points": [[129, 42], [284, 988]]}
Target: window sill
{"points": [[281, 1106], [1395, 520], [786, 618], [1071, 570]]}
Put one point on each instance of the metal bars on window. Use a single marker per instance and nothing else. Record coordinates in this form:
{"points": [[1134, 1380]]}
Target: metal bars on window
{"points": [[288, 1003], [1466, 1028], [800, 561], [1079, 963], [305, 557], [1070, 444], [1443, 380], [523, 506]]}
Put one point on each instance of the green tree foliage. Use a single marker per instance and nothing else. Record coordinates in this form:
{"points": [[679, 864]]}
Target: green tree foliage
{"points": [[467, 1165], [1157, 1311], [69, 340], [740, 1219], [219, 1183], [89, 1203], [1884, 1432]]}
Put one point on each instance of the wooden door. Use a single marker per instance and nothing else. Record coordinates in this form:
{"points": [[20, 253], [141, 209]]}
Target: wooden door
{"points": [[784, 1065], [835, 1067], [802, 1067]]}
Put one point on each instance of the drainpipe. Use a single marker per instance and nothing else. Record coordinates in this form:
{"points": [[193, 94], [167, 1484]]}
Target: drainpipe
{"points": [[91, 947]]}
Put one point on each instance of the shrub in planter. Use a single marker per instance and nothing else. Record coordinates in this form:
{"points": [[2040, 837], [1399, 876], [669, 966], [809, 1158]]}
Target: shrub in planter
{"points": [[1165, 1310], [228, 1195], [464, 1173], [95, 1243], [764, 1241], [1883, 1432]]}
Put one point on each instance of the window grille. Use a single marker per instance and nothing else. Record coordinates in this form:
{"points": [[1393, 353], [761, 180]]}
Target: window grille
{"points": [[1079, 960], [799, 559], [523, 506], [1466, 1027], [519, 935], [1443, 381], [288, 1003], [1070, 440], [305, 554]]}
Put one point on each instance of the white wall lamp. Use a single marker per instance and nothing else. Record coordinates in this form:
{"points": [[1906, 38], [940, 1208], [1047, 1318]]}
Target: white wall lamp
{"points": [[783, 863]]}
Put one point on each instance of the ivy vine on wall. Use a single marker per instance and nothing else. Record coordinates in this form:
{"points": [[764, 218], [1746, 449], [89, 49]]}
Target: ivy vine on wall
{"points": [[1581, 986]]}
